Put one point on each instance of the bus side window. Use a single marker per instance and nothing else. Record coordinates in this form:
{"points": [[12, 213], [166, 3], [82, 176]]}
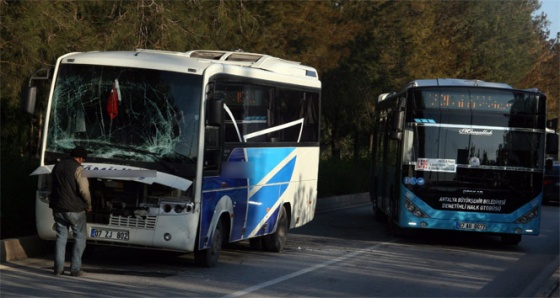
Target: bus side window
{"points": [[309, 111], [287, 108]]}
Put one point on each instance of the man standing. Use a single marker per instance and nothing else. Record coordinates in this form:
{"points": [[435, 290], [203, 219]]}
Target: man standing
{"points": [[70, 199]]}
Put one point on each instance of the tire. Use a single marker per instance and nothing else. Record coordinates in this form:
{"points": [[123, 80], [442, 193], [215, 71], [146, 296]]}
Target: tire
{"points": [[209, 257], [511, 239], [276, 241], [394, 228], [378, 214]]}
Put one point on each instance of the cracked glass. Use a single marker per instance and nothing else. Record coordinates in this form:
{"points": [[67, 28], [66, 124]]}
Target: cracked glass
{"points": [[131, 114]]}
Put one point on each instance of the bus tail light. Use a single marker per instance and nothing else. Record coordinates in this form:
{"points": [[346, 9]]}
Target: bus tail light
{"points": [[527, 217], [414, 210]]}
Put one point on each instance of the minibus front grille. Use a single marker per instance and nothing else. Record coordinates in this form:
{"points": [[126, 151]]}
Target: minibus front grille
{"points": [[147, 222]]}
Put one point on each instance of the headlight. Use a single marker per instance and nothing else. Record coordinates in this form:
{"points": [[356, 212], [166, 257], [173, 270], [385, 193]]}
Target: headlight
{"points": [[414, 210], [527, 217]]}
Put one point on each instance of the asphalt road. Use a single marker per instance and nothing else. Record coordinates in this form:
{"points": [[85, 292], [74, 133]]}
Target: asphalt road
{"points": [[342, 252]]}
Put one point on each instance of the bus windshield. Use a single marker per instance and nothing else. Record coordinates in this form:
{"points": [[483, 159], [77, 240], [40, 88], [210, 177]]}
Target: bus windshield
{"points": [[486, 127], [128, 114], [480, 147]]}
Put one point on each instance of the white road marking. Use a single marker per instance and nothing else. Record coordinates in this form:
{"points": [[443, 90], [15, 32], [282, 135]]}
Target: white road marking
{"points": [[303, 271]]}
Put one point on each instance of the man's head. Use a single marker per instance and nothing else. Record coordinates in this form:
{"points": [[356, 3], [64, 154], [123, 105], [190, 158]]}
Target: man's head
{"points": [[79, 153]]}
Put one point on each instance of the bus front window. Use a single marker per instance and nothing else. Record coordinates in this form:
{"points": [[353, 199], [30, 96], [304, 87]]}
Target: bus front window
{"points": [[126, 113]]}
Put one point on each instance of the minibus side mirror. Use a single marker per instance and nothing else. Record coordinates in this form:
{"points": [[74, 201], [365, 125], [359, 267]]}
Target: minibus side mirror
{"points": [[215, 110], [29, 94], [28, 99]]}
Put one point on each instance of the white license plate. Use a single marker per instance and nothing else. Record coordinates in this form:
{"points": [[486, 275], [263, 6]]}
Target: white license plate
{"points": [[471, 226], [109, 234]]}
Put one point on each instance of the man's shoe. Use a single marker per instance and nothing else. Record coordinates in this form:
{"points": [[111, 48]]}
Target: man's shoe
{"points": [[58, 273], [78, 273]]}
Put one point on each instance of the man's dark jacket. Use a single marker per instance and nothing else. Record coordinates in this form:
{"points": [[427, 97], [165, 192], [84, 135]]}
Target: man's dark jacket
{"points": [[65, 195]]}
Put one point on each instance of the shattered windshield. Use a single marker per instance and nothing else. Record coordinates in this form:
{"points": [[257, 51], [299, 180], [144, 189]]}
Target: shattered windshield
{"points": [[127, 114]]}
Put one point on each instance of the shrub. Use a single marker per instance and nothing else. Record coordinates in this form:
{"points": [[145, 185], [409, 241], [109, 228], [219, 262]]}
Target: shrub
{"points": [[17, 204], [341, 177]]}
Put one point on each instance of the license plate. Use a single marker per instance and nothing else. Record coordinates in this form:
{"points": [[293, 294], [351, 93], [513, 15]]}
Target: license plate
{"points": [[471, 226], [109, 234]]}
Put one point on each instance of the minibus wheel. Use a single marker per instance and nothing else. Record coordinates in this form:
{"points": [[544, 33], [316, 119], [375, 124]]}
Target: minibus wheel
{"points": [[276, 241], [209, 257]]}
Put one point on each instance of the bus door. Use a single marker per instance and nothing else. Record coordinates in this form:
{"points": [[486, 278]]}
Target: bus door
{"points": [[387, 160], [392, 158], [223, 185]]}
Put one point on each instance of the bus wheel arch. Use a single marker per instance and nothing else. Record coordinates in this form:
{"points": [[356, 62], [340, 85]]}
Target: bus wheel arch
{"points": [[276, 241], [209, 257]]}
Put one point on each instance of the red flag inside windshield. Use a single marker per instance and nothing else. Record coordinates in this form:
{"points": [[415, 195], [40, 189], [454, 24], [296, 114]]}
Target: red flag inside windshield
{"points": [[114, 99]]}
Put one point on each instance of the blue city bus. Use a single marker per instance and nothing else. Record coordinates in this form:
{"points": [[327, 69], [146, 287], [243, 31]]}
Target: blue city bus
{"points": [[187, 151], [461, 155]]}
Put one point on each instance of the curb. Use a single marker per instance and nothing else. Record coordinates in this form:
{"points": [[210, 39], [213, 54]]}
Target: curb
{"points": [[341, 202], [25, 247]]}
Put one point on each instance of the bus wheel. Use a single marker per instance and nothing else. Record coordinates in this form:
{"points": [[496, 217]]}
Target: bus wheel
{"points": [[378, 213], [394, 228], [209, 257], [276, 241], [511, 239]]}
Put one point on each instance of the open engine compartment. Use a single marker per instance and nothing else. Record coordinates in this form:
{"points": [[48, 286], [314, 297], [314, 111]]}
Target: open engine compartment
{"points": [[118, 201]]}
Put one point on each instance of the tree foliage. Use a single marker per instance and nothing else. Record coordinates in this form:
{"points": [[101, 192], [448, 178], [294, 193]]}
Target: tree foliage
{"points": [[360, 48], [497, 41]]}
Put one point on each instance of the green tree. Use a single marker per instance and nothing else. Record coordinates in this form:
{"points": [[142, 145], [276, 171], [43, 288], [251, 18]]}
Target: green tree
{"points": [[406, 40], [360, 48]]}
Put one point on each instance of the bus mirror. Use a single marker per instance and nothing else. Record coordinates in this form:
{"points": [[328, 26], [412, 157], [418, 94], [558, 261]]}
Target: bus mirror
{"points": [[397, 123], [214, 110], [552, 143], [28, 99], [29, 95]]}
